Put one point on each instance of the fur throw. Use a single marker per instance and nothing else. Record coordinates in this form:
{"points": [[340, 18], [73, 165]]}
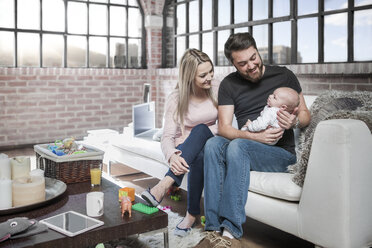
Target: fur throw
{"points": [[330, 105]]}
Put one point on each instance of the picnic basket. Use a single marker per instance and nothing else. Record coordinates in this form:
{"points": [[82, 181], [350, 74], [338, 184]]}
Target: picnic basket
{"points": [[72, 168]]}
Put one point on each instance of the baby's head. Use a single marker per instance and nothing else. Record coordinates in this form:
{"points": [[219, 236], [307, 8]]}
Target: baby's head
{"points": [[284, 98]]}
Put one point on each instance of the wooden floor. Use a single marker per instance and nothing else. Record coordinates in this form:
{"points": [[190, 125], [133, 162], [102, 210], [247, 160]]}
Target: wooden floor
{"points": [[256, 234]]}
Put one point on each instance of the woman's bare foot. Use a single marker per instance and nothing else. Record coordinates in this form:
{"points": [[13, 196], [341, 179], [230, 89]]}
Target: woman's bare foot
{"points": [[187, 222], [159, 190]]}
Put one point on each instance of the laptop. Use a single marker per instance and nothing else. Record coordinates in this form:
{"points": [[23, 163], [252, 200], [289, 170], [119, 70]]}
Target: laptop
{"points": [[143, 116]]}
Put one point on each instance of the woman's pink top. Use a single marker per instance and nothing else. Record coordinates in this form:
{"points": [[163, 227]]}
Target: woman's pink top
{"points": [[202, 112]]}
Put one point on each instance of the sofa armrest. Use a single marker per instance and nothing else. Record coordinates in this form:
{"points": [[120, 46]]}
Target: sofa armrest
{"points": [[336, 201]]}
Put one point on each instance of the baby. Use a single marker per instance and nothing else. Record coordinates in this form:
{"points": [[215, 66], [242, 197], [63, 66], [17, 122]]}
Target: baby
{"points": [[283, 98]]}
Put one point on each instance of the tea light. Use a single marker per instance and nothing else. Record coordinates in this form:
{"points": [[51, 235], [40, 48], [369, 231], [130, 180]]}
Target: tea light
{"points": [[21, 167], [28, 190], [5, 193], [5, 169]]}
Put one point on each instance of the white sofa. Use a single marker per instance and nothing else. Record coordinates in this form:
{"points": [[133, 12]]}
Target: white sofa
{"points": [[334, 207]]}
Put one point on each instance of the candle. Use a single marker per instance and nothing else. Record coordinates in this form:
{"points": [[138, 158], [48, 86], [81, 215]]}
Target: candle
{"points": [[28, 190], [37, 173], [20, 167], [5, 193], [5, 170]]}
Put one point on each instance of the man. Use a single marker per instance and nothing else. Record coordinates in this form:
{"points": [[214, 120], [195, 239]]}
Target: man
{"points": [[229, 158]]}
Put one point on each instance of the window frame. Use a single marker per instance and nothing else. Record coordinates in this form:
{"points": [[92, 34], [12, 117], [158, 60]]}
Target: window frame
{"points": [[65, 34], [293, 18]]}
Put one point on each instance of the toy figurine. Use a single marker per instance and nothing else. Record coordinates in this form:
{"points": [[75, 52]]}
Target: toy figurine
{"points": [[126, 205], [176, 197]]}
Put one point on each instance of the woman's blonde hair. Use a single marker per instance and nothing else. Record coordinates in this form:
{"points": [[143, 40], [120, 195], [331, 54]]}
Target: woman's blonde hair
{"points": [[190, 61]]}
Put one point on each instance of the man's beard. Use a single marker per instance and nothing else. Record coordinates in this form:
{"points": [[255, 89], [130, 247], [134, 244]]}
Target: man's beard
{"points": [[257, 76]]}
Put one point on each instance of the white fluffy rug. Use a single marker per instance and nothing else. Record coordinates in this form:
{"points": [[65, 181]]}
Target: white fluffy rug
{"points": [[157, 240]]}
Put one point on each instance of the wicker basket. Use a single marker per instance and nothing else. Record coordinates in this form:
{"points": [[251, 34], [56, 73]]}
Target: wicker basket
{"points": [[68, 168]]}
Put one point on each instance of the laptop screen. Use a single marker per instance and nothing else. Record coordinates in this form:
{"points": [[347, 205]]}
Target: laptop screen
{"points": [[143, 118]]}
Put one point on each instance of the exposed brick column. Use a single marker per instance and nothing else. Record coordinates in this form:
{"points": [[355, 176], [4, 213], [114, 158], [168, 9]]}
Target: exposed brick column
{"points": [[153, 25]]}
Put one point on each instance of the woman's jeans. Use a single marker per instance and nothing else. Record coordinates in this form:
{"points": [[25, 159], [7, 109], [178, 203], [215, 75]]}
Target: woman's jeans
{"points": [[227, 166], [192, 151]]}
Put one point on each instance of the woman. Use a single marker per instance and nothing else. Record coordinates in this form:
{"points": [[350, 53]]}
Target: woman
{"points": [[190, 120]]}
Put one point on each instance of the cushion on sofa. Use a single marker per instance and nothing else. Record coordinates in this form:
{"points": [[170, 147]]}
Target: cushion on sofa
{"points": [[144, 147], [274, 184]]}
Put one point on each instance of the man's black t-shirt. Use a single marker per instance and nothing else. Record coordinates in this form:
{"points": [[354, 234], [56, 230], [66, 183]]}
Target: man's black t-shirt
{"points": [[250, 98]]}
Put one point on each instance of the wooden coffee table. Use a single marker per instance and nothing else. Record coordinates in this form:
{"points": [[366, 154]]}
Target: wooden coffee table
{"points": [[115, 226]]}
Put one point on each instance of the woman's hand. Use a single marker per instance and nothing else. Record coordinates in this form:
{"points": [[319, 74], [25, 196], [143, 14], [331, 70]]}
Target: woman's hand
{"points": [[287, 120], [178, 165]]}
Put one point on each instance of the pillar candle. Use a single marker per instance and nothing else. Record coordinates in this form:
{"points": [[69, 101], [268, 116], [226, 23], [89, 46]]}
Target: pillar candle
{"points": [[21, 167], [5, 193], [28, 190], [5, 170], [37, 172]]}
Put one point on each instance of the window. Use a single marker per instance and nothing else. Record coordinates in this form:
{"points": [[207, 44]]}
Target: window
{"points": [[71, 33], [286, 31]]}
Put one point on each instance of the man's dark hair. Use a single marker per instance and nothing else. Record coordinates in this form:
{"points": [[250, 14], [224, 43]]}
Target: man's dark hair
{"points": [[238, 42]]}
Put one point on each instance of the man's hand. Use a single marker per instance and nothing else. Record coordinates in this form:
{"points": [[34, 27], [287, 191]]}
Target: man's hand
{"points": [[178, 165], [269, 136], [287, 120]]}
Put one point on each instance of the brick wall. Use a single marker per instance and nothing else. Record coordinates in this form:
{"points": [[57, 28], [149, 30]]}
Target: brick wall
{"points": [[39, 105]]}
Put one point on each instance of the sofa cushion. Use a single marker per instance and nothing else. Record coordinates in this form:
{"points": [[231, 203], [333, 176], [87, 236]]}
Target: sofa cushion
{"points": [[141, 146], [274, 184]]}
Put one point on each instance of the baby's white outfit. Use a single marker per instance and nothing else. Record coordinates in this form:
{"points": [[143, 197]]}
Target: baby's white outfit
{"points": [[267, 118]]}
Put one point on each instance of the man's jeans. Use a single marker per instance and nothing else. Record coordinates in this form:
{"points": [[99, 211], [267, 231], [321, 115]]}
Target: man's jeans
{"points": [[192, 152], [227, 166]]}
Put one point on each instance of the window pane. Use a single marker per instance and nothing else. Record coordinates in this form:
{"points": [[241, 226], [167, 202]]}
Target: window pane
{"points": [[54, 15], [194, 16], [28, 49], [53, 50], [307, 44], [208, 45], [134, 53], [117, 53], [335, 4], [335, 38], [260, 9], [97, 51], [280, 8], [118, 19], [97, 19], [260, 34], [181, 47], [223, 12], [99, 1], [282, 43], [7, 48], [77, 18], [76, 51], [135, 24], [7, 13], [28, 14], [361, 2], [132, 2], [181, 19], [207, 14], [241, 30], [194, 41], [362, 35], [119, 1], [222, 38], [240, 11], [307, 7]]}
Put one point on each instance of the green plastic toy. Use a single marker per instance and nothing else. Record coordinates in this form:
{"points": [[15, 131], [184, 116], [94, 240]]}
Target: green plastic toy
{"points": [[176, 197], [140, 207], [202, 220]]}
